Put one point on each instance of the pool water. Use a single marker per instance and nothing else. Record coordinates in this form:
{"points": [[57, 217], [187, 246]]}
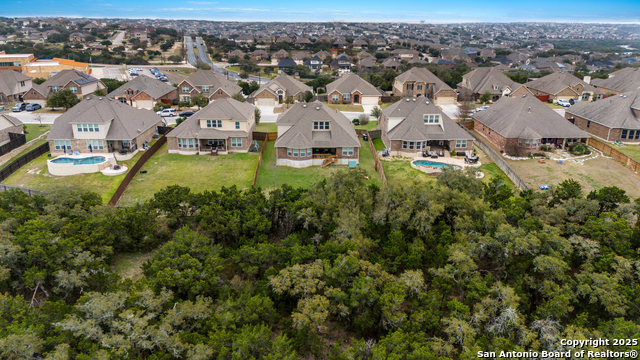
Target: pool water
{"points": [[82, 161], [434, 164]]}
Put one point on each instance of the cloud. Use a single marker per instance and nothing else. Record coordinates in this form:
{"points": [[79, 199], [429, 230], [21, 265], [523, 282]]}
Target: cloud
{"points": [[201, 2]]}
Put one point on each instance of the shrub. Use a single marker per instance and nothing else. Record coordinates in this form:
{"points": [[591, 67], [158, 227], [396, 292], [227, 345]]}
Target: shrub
{"points": [[539, 154], [453, 153], [364, 119], [579, 149], [179, 121], [355, 122]]}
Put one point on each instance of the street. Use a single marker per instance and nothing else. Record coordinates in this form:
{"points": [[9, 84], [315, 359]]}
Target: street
{"points": [[118, 40]]}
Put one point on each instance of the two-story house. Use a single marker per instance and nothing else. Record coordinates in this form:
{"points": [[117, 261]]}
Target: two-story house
{"points": [[209, 84], [312, 134], [100, 125], [77, 82], [352, 89], [421, 82], [144, 92], [278, 90], [224, 126], [314, 64], [342, 63], [412, 125], [13, 85]]}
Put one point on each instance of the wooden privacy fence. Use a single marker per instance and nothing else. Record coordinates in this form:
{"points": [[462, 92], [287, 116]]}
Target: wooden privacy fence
{"points": [[27, 191], [261, 136], [255, 176], [498, 160], [377, 164], [15, 141], [609, 150], [23, 160], [134, 170]]}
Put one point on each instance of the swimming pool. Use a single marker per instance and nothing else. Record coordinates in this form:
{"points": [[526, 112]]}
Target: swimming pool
{"points": [[434, 164], [80, 161]]}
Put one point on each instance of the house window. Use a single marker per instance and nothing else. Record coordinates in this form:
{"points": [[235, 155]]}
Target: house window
{"points": [[74, 89], [205, 89], [431, 119], [95, 144], [461, 143], [21, 83], [409, 86], [214, 123], [129, 92], [126, 143], [588, 124], [289, 152], [185, 89], [404, 144], [637, 134], [335, 97], [585, 96], [187, 143], [236, 142], [87, 127], [295, 153], [187, 98], [62, 144], [347, 151], [123, 100], [303, 152], [320, 125], [346, 97], [624, 134], [419, 87], [495, 87], [237, 125], [631, 134]]}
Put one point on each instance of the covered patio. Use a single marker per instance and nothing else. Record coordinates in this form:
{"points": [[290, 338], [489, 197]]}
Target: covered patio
{"points": [[213, 146]]}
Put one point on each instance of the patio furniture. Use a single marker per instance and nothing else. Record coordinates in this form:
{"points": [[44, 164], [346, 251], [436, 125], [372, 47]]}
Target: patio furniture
{"points": [[434, 156], [352, 164], [441, 153]]}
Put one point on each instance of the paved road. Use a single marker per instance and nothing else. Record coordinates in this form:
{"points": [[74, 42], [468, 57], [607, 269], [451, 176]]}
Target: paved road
{"points": [[30, 118], [118, 40], [192, 58]]}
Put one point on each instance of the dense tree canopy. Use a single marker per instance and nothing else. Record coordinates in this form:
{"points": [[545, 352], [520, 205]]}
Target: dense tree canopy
{"points": [[342, 270]]}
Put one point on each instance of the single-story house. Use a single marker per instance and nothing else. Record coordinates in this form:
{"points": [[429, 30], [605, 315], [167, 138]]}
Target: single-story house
{"points": [[414, 124], [353, 89], [618, 82], [558, 86], [144, 92], [312, 134], [279, 89], [224, 126]]}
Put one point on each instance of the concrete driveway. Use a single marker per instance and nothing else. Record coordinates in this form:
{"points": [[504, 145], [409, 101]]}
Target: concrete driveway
{"points": [[28, 117], [449, 110]]}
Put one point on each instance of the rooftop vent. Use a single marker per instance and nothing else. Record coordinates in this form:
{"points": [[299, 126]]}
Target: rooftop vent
{"points": [[524, 96], [139, 131], [414, 100], [427, 102], [317, 107], [88, 97], [408, 100], [99, 98], [304, 105]]}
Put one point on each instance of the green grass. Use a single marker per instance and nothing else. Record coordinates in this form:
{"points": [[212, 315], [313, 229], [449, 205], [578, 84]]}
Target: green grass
{"points": [[401, 172], [370, 126], [129, 265], [35, 175], [554, 106], [631, 150], [346, 107], [384, 105], [266, 127], [33, 130], [237, 69], [492, 171], [378, 144], [33, 146], [271, 176], [198, 172]]}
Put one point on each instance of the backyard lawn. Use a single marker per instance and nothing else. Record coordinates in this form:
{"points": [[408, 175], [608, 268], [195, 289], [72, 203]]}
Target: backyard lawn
{"points": [[631, 150], [266, 127], [346, 107], [271, 176], [33, 146], [379, 144], [370, 126], [35, 175], [199, 172], [401, 172], [34, 130]]}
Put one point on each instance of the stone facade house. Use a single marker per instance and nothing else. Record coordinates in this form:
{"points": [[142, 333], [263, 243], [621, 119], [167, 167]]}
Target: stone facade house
{"points": [[78, 82], [209, 84], [101, 125], [522, 124], [484, 79], [352, 89], [279, 89], [421, 82], [144, 92], [616, 118], [557, 86], [412, 125], [13, 85], [312, 134], [224, 126]]}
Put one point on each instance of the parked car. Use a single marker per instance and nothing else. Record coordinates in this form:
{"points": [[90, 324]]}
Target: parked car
{"points": [[187, 113], [33, 107], [167, 112], [573, 101], [482, 108], [19, 107], [564, 103]]}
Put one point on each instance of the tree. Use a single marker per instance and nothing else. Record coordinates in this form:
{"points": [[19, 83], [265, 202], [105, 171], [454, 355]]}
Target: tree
{"points": [[609, 198], [99, 92], [39, 81], [486, 97], [64, 98], [176, 59], [238, 97], [308, 96], [248, 88], [244, 75], [112, 84], [234, 60], [257, 114], [376, 112], [465, 109], [199, 100], [363, 119], [105, 43]]}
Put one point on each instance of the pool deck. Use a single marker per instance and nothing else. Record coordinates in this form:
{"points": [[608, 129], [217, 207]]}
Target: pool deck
{"points": [[447, 160]]}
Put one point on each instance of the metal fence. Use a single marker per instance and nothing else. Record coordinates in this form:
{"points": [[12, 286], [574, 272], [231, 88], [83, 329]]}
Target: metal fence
{"points": [[28, 191], [255, 176], [15, 141], [23, 160], [498, 160], [609, 150], [134, 170]]}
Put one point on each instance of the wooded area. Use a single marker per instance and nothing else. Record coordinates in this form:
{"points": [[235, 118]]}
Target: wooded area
{"points": [[341, 270]]}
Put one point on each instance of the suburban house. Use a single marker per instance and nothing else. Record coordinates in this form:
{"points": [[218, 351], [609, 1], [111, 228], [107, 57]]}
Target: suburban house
{"points": [[79, 83], [285, 64], [279, 89], [101, 125], [412, 125], [366, 63], [616, 118], [279, 55], [144, 92], [484, 79], [621, 81], [224, 126], [421, 82], [352, 89], [313, 134], [209, 84], [259, 55], [404, 54], [557, 86], [314, 64], [341, 63], [9, 124], [13, 85], [391, 63], [523, 124]]}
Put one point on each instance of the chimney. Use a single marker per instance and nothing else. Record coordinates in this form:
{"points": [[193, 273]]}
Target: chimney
{"points": [[587, 79]]}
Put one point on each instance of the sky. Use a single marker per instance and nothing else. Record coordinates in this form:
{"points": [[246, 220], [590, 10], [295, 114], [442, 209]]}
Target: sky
{"points": [[442, 11]]}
